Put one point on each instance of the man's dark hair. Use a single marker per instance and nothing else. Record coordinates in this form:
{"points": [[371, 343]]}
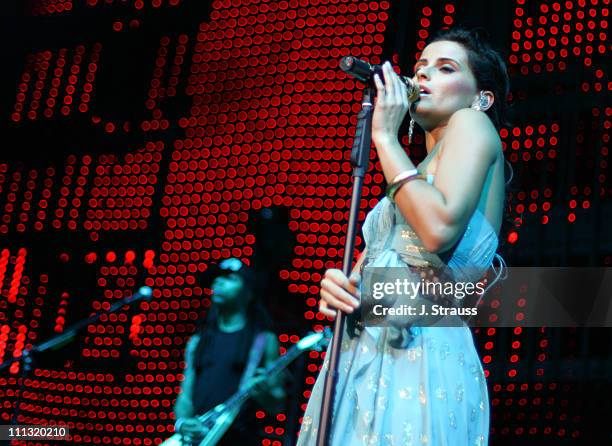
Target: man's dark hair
{"points": [[488, 67]]}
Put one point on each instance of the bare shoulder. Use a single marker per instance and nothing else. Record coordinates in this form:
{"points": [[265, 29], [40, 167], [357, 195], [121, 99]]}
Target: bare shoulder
{"points": [[194, 339], [193, 342], [477, 129], [467, 119]]}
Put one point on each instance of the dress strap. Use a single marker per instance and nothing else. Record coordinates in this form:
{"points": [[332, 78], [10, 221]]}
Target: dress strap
{"points": [[498, 271]]}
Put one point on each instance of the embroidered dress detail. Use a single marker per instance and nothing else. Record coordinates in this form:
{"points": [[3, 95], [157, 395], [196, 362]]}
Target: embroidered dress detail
{"points": [[430, 391]]}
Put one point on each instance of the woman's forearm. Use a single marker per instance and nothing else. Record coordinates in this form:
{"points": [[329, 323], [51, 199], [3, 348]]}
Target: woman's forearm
{"points": [[420, 203]]}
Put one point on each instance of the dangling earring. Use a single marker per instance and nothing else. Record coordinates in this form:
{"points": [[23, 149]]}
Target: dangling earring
{"points": [[410, 131]]}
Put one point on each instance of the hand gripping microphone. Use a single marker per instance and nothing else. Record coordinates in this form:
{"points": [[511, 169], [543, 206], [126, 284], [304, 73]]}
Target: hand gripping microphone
{"points": [[364, 71]]}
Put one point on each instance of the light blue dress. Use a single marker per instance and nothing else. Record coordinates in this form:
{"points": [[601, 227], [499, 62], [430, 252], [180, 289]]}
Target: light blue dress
{"points": [[431, 393]]}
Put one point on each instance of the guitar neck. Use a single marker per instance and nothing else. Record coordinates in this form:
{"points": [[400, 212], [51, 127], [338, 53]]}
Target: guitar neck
{"points": [[240, 397]]}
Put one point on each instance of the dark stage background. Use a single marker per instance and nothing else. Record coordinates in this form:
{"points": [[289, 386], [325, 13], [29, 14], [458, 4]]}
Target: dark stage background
{"points": [[143, 140]]}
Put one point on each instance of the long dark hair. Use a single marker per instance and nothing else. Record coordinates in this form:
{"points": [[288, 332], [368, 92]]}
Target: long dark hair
{"points": [[205, 354], [488, 68], [257, 313], [258, 320]]}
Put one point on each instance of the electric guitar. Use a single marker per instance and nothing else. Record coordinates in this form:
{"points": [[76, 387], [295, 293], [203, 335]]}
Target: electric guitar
{"points": [[220, 418]]}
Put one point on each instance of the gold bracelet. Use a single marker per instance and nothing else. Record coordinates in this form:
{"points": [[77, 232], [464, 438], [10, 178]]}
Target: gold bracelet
{"points": [[401, 179]]}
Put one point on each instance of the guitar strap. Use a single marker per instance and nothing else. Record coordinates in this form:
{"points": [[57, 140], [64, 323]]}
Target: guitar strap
{"points": [[255, 355]]}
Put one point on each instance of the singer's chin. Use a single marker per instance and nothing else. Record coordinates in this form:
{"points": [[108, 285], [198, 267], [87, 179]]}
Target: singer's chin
{"points": [[416, 108]]}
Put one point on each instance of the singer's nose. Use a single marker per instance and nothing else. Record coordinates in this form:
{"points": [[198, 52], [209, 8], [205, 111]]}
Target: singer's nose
{"points": [[421, 73]]}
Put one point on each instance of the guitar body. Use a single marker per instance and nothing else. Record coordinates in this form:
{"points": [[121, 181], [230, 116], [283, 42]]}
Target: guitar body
{"points": [[219, 419]]}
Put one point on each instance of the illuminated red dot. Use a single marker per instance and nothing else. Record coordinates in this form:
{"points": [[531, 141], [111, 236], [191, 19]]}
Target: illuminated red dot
{"points": [[130, 256], [512, 237], [111, 256]]}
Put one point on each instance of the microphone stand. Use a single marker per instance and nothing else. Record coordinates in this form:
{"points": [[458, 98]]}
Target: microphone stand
{"points": [[57, 341], [360, 158]]}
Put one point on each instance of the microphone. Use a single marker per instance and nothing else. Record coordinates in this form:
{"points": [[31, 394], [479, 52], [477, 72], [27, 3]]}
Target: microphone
{"points": [[364, 71]]}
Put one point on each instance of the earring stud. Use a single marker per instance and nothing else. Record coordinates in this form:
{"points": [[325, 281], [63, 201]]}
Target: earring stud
{"points": [[483, 101]]}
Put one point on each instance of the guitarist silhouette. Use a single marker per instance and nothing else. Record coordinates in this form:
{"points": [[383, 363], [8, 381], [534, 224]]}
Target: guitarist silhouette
{"points": [[229, 354]]}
